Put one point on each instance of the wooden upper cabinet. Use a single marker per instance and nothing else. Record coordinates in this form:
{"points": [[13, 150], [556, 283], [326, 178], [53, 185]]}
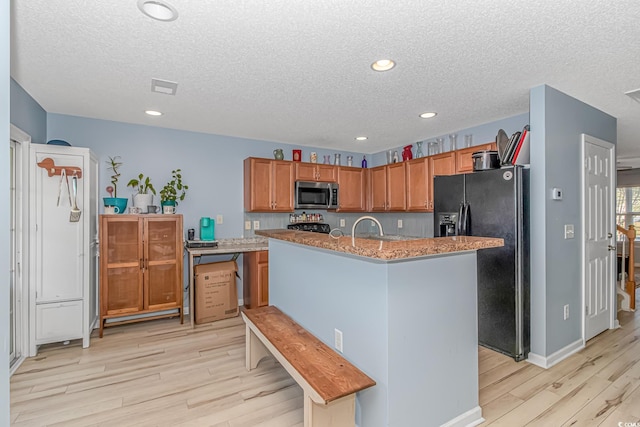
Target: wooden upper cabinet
{"points": [[388, 188], [440, 164], [282, 186], [443, 164], [268, 185], [353, 189], [418, 185], [315, 172], [378, 189], [464, 159], [396, 187]]}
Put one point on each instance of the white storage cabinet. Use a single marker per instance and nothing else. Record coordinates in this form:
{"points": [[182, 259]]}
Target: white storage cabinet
{"points": [[64, 254]]}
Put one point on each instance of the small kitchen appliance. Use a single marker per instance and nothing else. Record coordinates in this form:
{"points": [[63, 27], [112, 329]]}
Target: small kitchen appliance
{"points": [[207, 228], [316, 195], [316, 227], [485, 160]]}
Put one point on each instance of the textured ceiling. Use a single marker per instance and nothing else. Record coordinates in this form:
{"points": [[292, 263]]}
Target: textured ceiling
{"points": [[299, 71]]}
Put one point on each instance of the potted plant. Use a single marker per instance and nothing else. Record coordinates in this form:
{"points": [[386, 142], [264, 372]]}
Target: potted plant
{"points": [[113, 164], [173, 191], [144, 197]]}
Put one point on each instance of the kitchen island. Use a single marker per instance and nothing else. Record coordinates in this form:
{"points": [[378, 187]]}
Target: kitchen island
{"points": [[407, 311]]}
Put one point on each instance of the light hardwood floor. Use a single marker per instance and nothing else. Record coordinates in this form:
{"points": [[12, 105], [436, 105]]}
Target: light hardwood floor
{"points": [[161, 373]]}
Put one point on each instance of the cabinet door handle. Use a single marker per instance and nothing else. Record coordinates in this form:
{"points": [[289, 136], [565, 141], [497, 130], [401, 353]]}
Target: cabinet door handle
{"points": [[141, 263]]}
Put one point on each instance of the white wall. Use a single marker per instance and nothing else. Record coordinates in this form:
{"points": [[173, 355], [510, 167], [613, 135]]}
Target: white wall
{"points": [[4, 211]]}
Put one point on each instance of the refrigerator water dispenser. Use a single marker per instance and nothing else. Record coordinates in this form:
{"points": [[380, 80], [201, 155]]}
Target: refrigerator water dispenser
{"points": [[447, 222]]}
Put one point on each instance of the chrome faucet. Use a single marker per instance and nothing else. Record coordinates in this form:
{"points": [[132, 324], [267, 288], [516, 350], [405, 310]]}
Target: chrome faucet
{"points": [[353, 229]]}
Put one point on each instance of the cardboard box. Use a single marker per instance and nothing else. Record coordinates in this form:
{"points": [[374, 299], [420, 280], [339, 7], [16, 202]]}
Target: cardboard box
{"points": [[216, 295]]}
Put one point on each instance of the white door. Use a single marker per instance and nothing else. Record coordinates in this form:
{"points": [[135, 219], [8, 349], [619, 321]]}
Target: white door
{"points": [[13, 332], [599, 229]]}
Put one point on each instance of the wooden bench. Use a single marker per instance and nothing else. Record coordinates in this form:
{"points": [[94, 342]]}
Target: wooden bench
{"points": [[328, 380]]}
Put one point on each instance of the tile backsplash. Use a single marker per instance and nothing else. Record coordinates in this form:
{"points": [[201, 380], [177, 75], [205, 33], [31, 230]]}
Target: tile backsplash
{"points": [[413, 224]]}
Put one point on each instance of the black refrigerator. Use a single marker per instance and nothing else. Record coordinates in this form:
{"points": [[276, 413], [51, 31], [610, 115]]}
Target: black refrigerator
{"points": [[493, 203]]}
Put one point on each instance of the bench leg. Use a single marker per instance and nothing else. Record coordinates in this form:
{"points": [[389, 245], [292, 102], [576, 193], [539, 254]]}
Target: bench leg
{"points": [[254, 349], [339, 413]]}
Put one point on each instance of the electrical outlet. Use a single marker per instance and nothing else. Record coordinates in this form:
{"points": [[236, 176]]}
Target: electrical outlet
{"points": [[338, 340], [566, 311], [342, 222], [399, 223], [256, 225], [247, 225], [219, 219]]}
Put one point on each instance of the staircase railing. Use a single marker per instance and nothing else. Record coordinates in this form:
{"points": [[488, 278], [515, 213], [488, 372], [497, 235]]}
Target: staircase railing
{"points": [[630, 285]]}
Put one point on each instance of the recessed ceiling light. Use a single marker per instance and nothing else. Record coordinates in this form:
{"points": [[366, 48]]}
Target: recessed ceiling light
{"points": [[428, 115], [158, 9], [153, 113], [383, 65], [361, 138]]}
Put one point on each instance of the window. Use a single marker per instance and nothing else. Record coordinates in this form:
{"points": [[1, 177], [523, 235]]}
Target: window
{"points": [[628, 208]]}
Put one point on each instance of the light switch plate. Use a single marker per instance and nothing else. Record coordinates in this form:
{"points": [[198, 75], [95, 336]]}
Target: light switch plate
{"points": [[247, 225], [342, 222], [399, 223], [256, 225], [219, 219], [568, 231]]}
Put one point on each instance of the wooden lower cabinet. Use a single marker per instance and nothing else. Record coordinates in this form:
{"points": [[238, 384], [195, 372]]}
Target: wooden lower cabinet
{"points": [[141, 267], [255, 280]]}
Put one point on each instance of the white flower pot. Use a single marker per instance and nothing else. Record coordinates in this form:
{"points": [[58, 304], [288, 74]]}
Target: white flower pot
{"points": [[143, 201]]}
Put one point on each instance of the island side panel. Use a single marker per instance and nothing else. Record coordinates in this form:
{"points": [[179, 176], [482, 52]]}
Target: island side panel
{"points": [[323, 291], [433, 341]]}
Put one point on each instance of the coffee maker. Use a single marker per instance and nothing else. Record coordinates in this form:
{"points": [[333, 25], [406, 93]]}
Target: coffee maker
{"points": [[207, 228], [447, 224]]}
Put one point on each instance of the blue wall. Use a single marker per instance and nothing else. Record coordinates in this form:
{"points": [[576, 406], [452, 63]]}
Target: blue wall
{"points": [[4, 212], [211, 164], [27, 114], [557, 122]]}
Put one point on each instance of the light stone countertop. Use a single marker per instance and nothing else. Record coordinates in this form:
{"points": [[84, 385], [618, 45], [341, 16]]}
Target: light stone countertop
{"points": [[233, 245], [385, 250]]}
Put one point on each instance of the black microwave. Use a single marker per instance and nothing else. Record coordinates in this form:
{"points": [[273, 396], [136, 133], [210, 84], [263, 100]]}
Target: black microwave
{"points": [[316, 195]]}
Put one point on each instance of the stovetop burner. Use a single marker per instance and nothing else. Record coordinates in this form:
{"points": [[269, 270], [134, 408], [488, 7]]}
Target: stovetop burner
{"points": [[316, 227]]}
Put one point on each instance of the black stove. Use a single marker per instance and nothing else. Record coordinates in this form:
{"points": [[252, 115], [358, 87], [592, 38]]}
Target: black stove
{"points": [[316, 227]]}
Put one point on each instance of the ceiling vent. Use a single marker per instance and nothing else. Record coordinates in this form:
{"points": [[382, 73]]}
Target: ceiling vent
{"points": [[634, 94], [164, 86]]}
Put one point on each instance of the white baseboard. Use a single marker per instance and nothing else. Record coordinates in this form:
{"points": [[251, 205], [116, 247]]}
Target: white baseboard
{"points": [[470, 418], [558, 356]]}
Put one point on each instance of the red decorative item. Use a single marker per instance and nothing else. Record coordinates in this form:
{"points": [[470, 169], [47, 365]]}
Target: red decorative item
{"points": [[406, 153], [297, 155]]}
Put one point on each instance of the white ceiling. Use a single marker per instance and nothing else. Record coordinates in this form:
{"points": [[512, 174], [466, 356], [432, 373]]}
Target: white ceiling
{"points": [[299, 71]]}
